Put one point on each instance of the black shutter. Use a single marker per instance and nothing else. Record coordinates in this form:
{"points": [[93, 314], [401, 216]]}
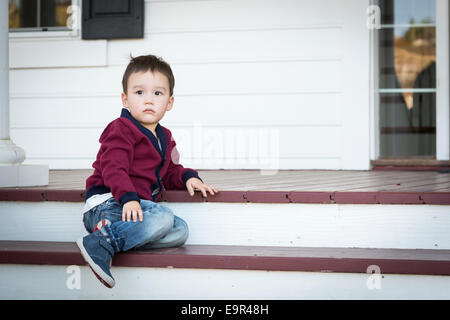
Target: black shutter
{"points": [[112, 19]]}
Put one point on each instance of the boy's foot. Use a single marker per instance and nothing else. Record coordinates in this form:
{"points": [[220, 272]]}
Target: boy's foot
{"points": [[98, 253]]}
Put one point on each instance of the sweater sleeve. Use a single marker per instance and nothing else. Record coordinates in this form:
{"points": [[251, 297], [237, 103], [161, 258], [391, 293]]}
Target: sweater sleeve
{"points": [[115, 162], [177, 175]]}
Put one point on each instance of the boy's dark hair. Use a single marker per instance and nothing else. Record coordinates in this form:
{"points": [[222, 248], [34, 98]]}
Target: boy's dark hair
{"points": [[148, 63]]}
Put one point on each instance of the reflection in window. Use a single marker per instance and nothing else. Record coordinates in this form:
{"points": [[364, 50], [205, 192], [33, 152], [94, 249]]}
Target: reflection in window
{"points": [[407, 78], [30, 15], [408, 11]]}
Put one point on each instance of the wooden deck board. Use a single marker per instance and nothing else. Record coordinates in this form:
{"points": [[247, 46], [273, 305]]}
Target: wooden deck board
{"points": [[236, 184], [397, 185]]}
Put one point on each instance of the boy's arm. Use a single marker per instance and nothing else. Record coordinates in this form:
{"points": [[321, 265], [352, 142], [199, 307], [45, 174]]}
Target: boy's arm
{"points": [[115, 163]]}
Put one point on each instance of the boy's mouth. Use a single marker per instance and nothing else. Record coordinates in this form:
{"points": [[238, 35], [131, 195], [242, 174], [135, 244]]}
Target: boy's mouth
{"points": [[148, 110]]}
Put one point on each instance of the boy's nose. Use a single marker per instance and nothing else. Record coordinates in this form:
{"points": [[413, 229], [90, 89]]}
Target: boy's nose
{"points": [[149, 100]]}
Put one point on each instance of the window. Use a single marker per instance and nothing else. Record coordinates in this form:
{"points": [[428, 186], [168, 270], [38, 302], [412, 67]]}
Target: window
{"points": [[406, 73], [99, 19], [38, 15]]}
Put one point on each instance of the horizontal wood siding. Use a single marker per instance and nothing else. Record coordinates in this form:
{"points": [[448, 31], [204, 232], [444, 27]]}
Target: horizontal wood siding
{"points": [[271, 72]]}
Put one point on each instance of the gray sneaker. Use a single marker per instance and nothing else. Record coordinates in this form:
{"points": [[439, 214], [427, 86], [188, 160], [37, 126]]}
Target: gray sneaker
{"points": [[98, 253]]}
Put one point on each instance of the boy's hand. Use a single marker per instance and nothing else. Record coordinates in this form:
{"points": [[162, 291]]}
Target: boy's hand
{"points": [[194, 183], [132, 209]]}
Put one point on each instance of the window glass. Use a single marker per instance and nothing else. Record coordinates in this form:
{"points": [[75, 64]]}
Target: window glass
{"points": [[407, 78], [38, 14], [22, 14]]}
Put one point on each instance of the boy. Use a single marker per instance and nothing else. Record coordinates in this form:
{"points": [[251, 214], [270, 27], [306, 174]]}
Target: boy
{"points": [[137, 160]]}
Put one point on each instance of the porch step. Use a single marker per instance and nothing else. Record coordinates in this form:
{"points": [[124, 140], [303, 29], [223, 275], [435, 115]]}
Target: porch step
{"points": [[349, 260], [47, 270], [256, 224], [403, 210]]}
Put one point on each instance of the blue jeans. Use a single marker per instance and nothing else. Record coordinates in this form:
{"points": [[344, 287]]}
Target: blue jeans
{"points": [[160, 228]]}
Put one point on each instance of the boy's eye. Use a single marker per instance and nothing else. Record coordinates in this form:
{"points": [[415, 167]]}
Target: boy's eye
{"points": [[158, 93], [139, 92]]}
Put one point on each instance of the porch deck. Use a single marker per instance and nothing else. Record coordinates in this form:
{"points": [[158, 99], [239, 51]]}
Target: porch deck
{"points": [[301, 186]]}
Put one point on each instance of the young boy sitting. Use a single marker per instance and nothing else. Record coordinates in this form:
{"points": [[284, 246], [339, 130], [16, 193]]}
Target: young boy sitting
{"points": [[137, 160]]}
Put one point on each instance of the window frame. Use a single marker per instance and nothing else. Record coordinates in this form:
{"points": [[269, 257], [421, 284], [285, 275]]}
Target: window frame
{"points": [[442, 80], [442, 84]]}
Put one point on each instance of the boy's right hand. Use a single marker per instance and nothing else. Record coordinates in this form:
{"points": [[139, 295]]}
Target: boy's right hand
{"points": [[132, 209]]}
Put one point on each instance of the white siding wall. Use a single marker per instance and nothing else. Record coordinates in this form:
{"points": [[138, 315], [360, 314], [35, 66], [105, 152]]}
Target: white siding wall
{"points": [[259, 84]]}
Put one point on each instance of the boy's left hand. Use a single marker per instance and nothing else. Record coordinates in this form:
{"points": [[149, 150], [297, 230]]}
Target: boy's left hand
{"points": [[195, 183]]}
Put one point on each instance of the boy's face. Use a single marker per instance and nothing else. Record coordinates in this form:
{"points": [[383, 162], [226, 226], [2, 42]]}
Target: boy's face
{"points": [[148, 97]]}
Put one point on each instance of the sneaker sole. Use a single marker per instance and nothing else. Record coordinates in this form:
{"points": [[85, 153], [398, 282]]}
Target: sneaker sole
{"points": [[106, 280]]}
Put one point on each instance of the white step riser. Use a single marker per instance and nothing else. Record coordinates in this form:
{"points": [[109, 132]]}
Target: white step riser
{"points": [[310, 225], [61, 282]]}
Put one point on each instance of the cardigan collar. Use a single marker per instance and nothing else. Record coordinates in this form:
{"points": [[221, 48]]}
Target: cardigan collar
{"points": [[159, 131]]}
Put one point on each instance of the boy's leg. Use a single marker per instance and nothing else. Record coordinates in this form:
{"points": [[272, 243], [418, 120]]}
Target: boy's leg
{"points": [[97, 248], [157, 222], [109, 234], [176, 237]]}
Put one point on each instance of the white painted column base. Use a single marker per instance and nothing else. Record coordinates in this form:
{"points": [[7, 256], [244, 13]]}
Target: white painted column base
{"points": [[23, 175], [10, 153], [15, 174]]}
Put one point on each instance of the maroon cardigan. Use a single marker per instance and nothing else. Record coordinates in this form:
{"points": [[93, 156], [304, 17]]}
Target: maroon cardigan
{"points": [[131, 165]]}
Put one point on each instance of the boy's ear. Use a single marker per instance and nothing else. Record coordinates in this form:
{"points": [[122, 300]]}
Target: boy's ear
{"points": [[124, 100], [170, 104]]}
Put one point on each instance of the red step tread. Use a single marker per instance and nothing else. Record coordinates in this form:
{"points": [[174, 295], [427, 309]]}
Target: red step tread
{"points": [[353, 260]]}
